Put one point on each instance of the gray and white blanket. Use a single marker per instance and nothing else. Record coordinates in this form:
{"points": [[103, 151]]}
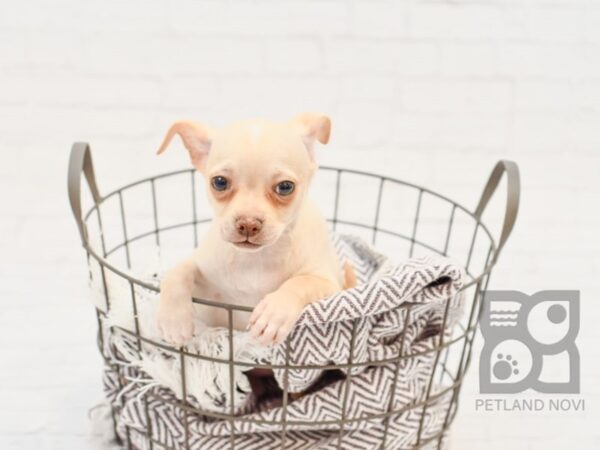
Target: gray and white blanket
{"points": [[394, 310]]}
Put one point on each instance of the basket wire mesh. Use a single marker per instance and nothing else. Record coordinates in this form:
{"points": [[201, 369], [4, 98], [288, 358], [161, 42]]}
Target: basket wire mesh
{"points": [[476, 249]]}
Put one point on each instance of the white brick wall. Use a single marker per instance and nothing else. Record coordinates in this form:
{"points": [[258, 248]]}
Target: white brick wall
{"points": [[430, 91]]}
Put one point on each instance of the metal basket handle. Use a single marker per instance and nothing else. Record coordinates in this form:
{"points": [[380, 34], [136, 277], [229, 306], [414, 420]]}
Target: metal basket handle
{"points": [[512, 198], [81, 161]]}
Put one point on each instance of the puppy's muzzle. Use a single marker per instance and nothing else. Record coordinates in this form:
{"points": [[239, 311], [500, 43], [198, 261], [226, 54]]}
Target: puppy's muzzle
{"points": [[248, 226]]}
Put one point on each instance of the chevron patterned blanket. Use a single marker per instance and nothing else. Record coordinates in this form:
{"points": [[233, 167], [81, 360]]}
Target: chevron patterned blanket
{"points": [[394, 310]]}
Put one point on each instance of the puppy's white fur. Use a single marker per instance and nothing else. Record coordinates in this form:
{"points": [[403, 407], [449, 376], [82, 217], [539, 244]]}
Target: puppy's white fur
{"points": [[264, 249]]}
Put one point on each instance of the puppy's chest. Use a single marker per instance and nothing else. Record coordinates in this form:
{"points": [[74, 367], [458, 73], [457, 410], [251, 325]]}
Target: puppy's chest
{"points": [[247, 281]]}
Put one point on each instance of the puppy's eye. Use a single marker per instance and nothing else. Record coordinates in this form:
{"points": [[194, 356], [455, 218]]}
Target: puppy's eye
{"points": [[219, 183], [285, 188]]}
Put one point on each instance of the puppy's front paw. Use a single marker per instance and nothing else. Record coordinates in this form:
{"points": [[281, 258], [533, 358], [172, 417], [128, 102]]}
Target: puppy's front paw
{"points": [[273, 318], [176, 322]]}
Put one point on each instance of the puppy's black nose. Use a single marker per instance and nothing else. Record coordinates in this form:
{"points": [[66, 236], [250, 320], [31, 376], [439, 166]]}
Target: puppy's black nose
{"points": [[248, 226]]}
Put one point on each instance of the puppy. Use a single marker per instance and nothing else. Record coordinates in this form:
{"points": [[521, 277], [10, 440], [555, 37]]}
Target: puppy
{"points": [[267, 247]]}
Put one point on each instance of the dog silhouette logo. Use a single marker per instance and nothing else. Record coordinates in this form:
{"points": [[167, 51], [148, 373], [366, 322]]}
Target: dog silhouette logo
{"points": [[529, 342]]}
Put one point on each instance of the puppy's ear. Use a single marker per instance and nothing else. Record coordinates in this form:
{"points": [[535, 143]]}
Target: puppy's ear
{"points": [[195, 137], [313, 127]]}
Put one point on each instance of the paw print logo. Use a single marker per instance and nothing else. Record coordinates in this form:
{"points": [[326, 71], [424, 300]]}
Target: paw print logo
{"points": [[524, 333], [505, 367], [509, 363]]}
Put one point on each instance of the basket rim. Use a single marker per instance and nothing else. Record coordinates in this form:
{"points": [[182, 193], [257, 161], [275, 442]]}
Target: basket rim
{"points": [[105, 264]]}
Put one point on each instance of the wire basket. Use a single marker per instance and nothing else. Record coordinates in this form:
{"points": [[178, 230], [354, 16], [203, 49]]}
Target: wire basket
{"points": [[401, 219]]}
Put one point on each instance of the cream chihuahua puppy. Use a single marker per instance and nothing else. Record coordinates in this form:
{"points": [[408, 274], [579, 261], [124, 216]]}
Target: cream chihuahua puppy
{"points": [[267, 247]]}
